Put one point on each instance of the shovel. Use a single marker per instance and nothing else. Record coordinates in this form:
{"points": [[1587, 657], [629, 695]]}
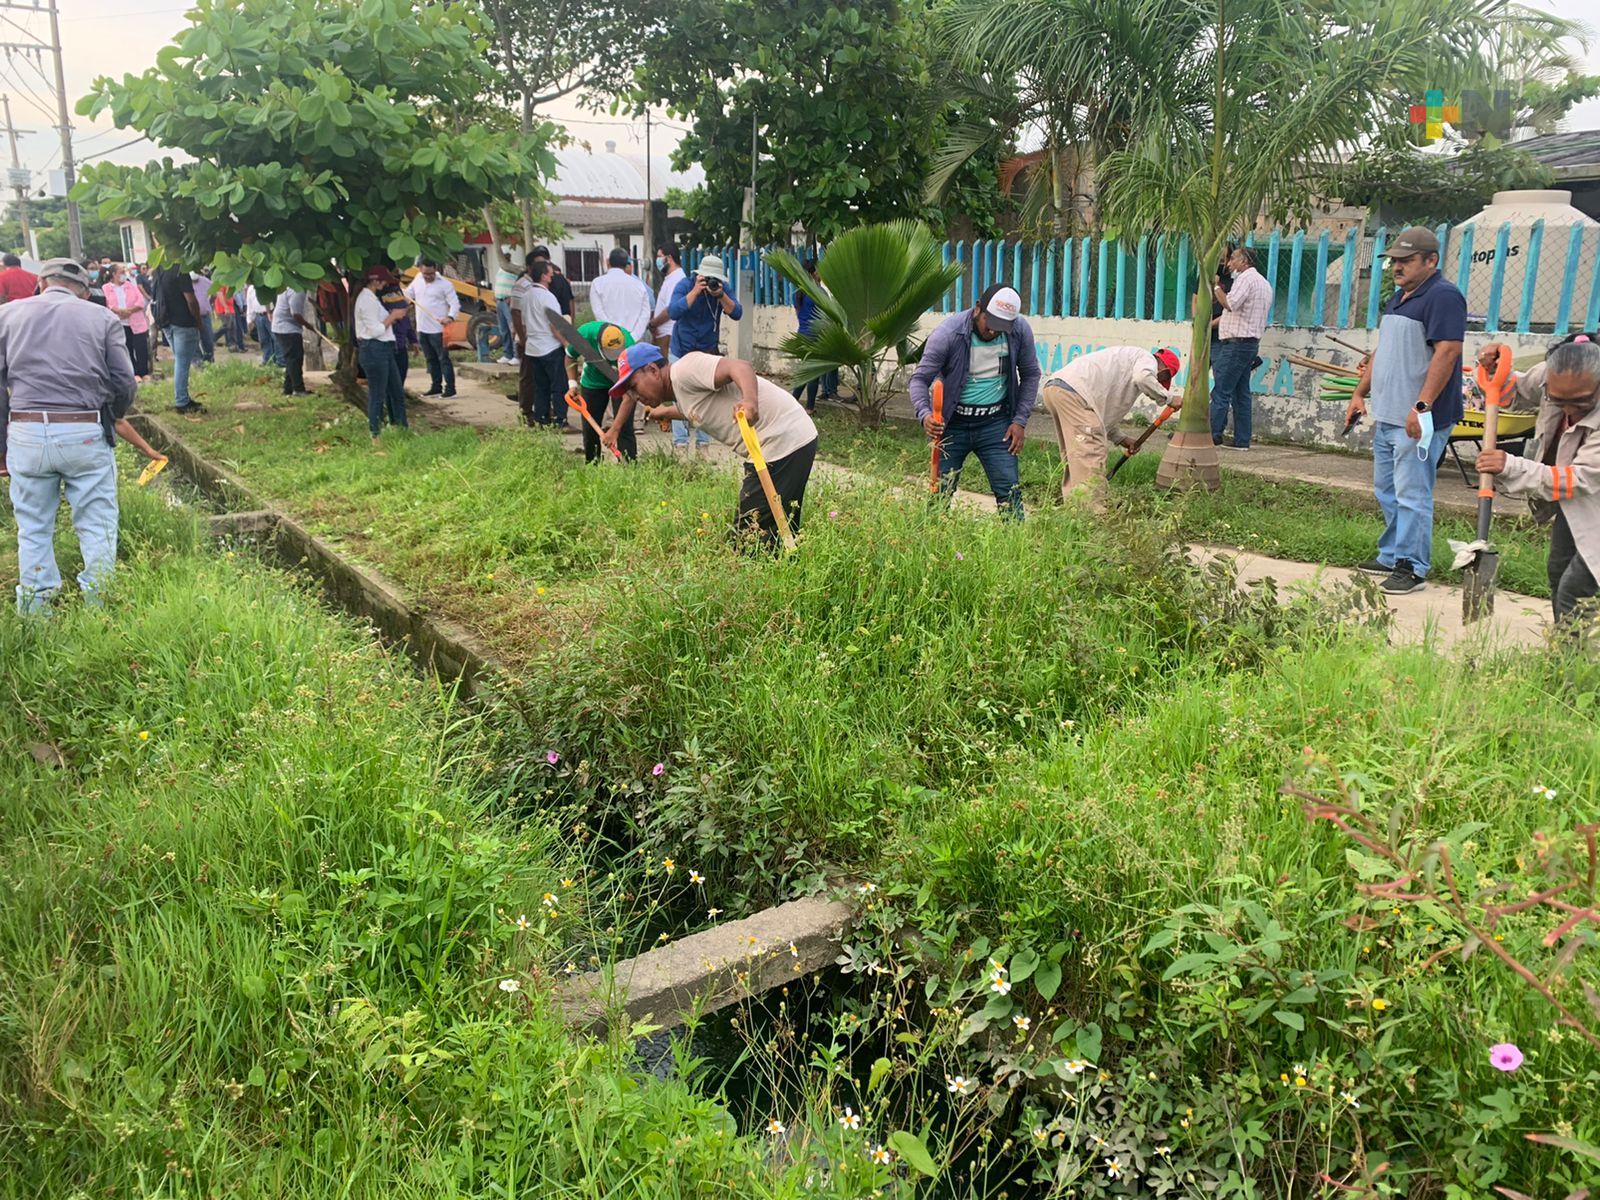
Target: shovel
{"points": [[1138, 442], [1478, 561], [753, 445], [575, 400], [937, 396]]}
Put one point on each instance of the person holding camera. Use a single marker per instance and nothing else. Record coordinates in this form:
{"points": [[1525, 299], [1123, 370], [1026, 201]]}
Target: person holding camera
{"points": [[699, 303]]}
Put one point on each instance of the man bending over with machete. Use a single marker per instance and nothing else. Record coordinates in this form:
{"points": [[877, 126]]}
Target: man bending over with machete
{"points": [[1567, 472], [707, 390], [985, 357], [1091, 396]]}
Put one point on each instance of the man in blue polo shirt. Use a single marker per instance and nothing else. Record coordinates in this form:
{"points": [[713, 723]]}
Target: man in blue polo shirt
{"points": [[698, 304], [1414, 380]]}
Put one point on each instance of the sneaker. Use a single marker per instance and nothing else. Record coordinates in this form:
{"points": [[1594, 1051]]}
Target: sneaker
{"points": [[432, 392], [193, 409], [1374, 567], [448, 394], [1403, 581], [505, 359]]}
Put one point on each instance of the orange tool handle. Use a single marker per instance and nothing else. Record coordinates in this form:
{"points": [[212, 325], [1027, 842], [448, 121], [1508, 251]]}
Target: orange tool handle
{"points": [[575, 400], [937, 396], [1493, 387]]}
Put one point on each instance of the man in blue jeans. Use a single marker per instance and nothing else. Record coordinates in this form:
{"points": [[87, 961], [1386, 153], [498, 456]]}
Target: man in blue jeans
{"points": [[986, 358], [1246, 308], [67, 380], [1414, 380], [180, 318]]}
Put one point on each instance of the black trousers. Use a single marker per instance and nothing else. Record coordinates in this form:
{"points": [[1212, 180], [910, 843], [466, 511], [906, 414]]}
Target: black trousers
{"points": [[292, 346], [138, 350], [597, 399], [439, 364], [1571, 580], [790, 475], [542, 387]]}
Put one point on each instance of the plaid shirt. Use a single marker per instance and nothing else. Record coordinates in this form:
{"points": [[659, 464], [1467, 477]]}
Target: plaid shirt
{"points": [[1249, 306]]}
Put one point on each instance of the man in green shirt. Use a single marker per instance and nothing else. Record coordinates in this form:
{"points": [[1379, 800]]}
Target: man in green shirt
{"points": [[595, 389]]}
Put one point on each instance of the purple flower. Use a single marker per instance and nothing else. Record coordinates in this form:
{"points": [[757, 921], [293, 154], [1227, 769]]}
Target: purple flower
{"points": [[1504, 1056], [659, 769], [552, 758], [960, 557], [833, 514]]}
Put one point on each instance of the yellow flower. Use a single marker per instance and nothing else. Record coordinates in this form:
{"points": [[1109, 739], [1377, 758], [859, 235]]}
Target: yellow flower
{"points": [[1379, 1004], [539, 591], [144, 735]]}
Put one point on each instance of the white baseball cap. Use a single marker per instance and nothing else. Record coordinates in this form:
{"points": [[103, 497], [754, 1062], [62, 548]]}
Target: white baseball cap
{"points": [[1003, 308], [710, 267]]}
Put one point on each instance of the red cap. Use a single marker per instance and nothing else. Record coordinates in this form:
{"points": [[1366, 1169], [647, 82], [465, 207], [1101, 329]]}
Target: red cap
{"points": [[1168, 360]]}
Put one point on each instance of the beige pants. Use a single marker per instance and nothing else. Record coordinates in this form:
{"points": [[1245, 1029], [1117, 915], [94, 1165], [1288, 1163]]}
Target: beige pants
{"points": [[1084, 444]]}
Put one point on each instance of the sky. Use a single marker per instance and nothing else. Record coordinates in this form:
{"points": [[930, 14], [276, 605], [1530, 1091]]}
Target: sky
{"points": [[102, 37]]}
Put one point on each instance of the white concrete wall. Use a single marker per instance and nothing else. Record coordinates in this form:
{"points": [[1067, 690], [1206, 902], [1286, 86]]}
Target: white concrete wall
{"points": [[1287, 408]]}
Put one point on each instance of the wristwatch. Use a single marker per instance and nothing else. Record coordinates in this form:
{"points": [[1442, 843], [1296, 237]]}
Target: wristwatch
{"points": [[1422, 407]]}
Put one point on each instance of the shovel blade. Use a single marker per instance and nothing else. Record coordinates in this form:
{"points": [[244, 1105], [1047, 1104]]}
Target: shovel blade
{"points": [[1477, 586]]}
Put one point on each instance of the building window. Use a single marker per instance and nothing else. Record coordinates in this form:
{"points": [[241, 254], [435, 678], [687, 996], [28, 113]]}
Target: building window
{"points": [[582, 265]]}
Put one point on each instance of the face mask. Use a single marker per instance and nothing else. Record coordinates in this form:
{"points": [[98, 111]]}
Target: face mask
{"points": [[661, 263], [1425, 419]]}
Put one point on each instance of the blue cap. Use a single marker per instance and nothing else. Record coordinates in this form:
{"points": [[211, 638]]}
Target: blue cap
{"points": [[640, 354]]}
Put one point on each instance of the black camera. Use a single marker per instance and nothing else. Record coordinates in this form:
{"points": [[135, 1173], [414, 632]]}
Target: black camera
{"points": [[714, 287]]}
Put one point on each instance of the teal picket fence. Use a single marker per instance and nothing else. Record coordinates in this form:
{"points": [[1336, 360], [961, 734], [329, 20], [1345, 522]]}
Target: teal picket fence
{"points": [[1516, 278]]}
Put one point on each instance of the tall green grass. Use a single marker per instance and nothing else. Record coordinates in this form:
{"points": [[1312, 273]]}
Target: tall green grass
{"points": [[259, 905]]}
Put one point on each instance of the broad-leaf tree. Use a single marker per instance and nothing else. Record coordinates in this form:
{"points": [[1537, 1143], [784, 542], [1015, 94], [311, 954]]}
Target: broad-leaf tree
{"points": [[326, 135], [835, 92], [876, 283], [47, 219]]}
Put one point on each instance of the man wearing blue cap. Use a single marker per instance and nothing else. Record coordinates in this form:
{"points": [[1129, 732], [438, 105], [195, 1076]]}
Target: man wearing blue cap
{"points": [[707, 391]]}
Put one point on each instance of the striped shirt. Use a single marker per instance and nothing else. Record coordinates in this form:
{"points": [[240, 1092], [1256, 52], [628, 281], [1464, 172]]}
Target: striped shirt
{"points": [[1249, 306]]}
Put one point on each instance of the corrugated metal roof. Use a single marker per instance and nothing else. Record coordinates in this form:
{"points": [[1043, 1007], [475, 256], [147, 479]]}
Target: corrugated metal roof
{"points": [[1564, 151], [607, 175]]}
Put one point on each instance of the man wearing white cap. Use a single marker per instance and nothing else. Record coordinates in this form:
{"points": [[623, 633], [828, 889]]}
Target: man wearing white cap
{"points": [[65, 381], [699, 303], [986, 359]]}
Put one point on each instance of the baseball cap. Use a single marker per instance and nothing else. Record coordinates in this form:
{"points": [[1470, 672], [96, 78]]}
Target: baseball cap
{"points": [[69, 269], [1002, 309], [1168, 360], [611, 342], [711, 267], [641, 354], [1416, 240]]}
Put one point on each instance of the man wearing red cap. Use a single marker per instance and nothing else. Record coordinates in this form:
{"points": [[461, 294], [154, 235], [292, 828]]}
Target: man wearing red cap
{"points": [[1091, 396]]}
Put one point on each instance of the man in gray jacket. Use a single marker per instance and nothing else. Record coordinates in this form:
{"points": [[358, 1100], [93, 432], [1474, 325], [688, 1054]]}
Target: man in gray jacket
{"points": [[65, 380], [986, 359], [1567, 471]]}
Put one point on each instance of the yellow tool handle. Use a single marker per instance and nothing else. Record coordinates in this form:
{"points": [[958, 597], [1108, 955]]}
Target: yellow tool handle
{"points": [[753, 445], [150, 472]]}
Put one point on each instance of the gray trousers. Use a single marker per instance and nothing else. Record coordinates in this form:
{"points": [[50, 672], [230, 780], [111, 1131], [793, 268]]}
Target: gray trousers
{"points": [[1570, 578]]}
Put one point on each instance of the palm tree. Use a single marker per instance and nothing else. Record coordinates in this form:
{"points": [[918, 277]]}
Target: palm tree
{"points": [[1063, 77], [876, 282], [1236, 123]]}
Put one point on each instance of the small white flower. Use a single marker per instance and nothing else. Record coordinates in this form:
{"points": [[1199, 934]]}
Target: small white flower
{"points": [[1350, 1099], [851, 1119], [866, 889], [1543, 792], [696, 877], [881, 1155], [1022, 1023], [523, 922], [1040, 1134], [510, 985], [548, 900], [713, 913], [1113, 1168], [1074, 1066], [776, 1127], [960, 1085], [1099, 1142], [1164, 1150], [570, 969], [999, 984]]}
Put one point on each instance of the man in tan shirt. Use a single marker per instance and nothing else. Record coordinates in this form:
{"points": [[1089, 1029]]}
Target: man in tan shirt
{"points": [[1089, 399], [1567, 471], [707, 390]]}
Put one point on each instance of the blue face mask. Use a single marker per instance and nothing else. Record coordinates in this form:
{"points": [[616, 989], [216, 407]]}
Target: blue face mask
{"points": [[661, 263], [1425, 419]]}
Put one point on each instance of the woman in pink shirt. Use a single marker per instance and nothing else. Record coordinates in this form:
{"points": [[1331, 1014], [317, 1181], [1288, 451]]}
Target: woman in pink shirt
{"points": [[131, 306]]}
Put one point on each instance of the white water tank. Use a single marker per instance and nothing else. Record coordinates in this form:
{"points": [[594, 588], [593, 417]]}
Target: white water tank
{"points": [[1519, 212]]}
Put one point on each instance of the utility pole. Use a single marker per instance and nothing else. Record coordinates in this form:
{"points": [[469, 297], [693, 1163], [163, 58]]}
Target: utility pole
{"points": [[74, 227], [648, 250], [16, 176]]}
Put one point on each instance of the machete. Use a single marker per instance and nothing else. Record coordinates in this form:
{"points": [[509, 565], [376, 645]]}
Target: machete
{"points": [[1139, 441], [568, 333]]}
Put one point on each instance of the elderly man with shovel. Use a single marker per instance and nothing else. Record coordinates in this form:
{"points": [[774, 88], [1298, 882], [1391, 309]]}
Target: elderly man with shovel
{"points": [[1089, 399], [1567, 472], [726, 398]]}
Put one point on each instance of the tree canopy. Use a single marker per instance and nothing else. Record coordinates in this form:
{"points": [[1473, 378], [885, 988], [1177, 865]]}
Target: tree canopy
{"points": [[327, 134], [47, 217]]}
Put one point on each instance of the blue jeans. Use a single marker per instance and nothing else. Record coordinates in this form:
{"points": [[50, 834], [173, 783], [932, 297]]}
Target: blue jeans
{"points": [[680, 429], [41, 459], [1231, 364], [208, 338], [1403, 485], [269, 348], [185, 343], [508, 346], [987, 439], [384, 391]]}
